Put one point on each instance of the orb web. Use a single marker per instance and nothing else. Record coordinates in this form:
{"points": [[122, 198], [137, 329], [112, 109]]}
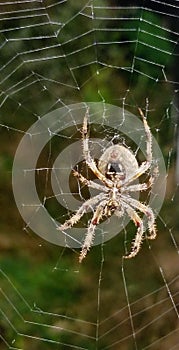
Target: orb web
{"points": [[56, 59]]}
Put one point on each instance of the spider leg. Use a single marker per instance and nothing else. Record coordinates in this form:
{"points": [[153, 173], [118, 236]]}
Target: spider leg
{"points": [[86, 153], [146, 164], [139, 187], [142, 186], [140, 171], [89, 183], [136, 187], [98, 213], [148, 136], [147, 211], [81, 211], [139, 235]]}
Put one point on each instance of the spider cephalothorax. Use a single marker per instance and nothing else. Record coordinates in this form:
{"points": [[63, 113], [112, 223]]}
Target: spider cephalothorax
{"points": [[117, 170]]}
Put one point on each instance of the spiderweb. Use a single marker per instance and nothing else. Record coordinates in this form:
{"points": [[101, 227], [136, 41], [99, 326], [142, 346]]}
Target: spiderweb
{"points": [[57, 59]]}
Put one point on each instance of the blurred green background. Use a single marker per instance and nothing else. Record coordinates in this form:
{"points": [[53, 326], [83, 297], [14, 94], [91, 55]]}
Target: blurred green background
{"points": [[55, 54]]}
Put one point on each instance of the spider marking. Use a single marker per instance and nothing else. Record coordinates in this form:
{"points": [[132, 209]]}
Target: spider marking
{"points": [[117, 169]]}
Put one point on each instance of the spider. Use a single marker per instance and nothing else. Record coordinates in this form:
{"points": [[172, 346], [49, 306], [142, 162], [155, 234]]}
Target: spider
{"points": [[117, 169]]}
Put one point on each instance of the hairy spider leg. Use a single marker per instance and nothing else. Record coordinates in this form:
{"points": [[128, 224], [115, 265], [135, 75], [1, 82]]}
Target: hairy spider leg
{"points": [[136, 245], [142, 186], [98, 213], [148, 136], [86, 153], [147, 211], [140, 171], [135, 188], [146, 164], [81, 211], [89, 183]]}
